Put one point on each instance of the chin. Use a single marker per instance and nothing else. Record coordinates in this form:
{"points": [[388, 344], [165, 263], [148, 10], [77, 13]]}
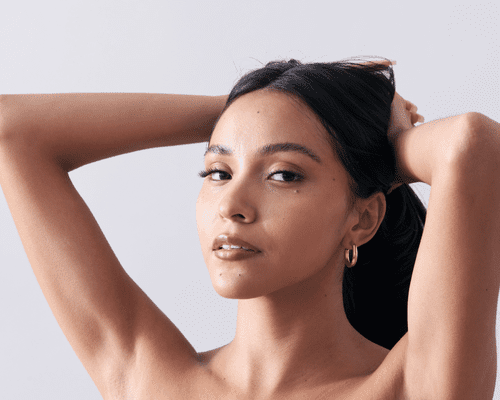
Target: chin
{"points": [[237, 285]]}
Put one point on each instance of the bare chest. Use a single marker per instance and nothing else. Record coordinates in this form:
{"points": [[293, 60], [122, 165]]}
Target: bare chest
{"points": [[373, 387], [385, 383], [382, 378]]}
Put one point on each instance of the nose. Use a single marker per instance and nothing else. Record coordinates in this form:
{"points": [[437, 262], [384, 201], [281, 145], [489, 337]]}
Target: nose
{"points": [[238, 202]]}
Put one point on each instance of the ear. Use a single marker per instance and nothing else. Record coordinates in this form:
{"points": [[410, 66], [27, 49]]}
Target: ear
{"points": [[369, 214]]}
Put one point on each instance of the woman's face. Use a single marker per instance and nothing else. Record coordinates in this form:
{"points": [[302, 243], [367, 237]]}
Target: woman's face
{"points": [[296, 219]]}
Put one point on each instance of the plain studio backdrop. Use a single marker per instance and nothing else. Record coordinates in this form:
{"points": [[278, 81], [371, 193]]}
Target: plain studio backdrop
{"points": [[447, 57]]}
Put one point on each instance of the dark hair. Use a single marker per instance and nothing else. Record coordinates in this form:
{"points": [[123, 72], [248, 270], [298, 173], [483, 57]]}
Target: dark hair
{"points": [[353, 102]]}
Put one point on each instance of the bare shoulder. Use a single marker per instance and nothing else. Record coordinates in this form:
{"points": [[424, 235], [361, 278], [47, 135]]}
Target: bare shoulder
{"points": [[163, 363], [157, 372], [380, 377], [387, 381]]}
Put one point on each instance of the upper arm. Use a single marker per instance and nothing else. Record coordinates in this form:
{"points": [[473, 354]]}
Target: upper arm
{"points": [[109, 321], [453, 295]]}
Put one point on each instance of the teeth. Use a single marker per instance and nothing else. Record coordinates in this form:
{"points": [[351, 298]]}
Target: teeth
{"points": [[229, 247]]}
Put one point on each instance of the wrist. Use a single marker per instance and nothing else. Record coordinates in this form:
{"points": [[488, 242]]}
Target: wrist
{"points": [[423, 150]]}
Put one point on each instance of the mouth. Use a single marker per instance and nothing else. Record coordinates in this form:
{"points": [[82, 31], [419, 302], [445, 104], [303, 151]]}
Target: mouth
{"points": [[233, 243], [233, 248], [226, 253]]}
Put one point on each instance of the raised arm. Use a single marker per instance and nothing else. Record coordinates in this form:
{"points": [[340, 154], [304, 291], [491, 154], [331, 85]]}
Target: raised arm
{"points": [[451, 345], [75, 129], [113, 327]]}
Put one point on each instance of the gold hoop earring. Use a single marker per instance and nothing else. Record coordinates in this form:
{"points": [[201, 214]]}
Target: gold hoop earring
{"points": [[352, 263]]}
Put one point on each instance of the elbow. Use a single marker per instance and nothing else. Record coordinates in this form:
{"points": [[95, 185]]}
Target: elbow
{"points": [[484, 134], [478, 144], [487, 131], [470, 131]]}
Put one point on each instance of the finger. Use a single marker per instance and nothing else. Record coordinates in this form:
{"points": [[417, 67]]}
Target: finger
{"points": [[410, 106], [417, 118], [413, 118], [383, 62], [386, 62]]}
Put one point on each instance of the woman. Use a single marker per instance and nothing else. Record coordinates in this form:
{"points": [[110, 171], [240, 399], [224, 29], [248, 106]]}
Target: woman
{"points": [[300, 164]]}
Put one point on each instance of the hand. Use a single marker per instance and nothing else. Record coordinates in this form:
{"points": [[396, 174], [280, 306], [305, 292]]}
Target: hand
{"points": [[403, 117]]}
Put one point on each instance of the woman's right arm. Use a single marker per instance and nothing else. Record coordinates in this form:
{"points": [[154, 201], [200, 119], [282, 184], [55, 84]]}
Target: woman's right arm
{"points": [[75, 129], [124, 341]]}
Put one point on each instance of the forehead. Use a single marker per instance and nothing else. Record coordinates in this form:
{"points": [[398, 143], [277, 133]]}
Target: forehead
{"points": [[262, 117]]}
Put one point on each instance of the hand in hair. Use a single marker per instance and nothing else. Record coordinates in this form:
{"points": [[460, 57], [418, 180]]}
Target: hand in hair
{"points": [[403, 117]]}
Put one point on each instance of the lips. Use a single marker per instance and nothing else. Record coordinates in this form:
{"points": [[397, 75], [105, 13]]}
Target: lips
{"points": [[232, 241]]}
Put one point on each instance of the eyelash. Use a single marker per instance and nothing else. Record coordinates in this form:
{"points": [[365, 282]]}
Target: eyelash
{"points": [[298, 177]]}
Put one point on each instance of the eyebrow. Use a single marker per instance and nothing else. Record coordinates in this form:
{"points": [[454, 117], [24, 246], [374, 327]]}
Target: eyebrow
{"points": [[268, 149]]}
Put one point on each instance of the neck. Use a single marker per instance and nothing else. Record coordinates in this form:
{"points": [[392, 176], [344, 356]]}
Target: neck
{"points": [[298, 335]]}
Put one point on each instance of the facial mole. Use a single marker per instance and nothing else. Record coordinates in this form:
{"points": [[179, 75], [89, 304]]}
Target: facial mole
{"points": [[220, 274], [239, 274]]}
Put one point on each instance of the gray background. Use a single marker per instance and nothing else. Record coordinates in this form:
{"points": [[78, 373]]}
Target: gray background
{"points": [[448, 64]]}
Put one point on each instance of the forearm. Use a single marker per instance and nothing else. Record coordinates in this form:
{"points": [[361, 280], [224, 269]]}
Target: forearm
{"points": [[75, 129], [423, 151]]}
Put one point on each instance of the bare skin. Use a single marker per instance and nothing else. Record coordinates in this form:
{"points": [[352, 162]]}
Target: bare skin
{"points": [[132, 350], [302, 229]]}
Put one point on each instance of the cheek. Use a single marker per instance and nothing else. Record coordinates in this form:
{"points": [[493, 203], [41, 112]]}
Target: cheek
{"points": [[299, 234], [306, 234]]}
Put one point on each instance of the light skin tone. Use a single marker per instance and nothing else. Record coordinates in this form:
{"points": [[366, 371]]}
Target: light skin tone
{"points": [[292, 329]]}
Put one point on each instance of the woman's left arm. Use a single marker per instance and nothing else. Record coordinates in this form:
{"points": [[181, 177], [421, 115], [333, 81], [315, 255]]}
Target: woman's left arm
{"points": [[451, 344]]}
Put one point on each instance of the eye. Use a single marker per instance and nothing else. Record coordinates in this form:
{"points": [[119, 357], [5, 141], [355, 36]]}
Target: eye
{"points": [[287, 176], [293, 176], [205, 173]]}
